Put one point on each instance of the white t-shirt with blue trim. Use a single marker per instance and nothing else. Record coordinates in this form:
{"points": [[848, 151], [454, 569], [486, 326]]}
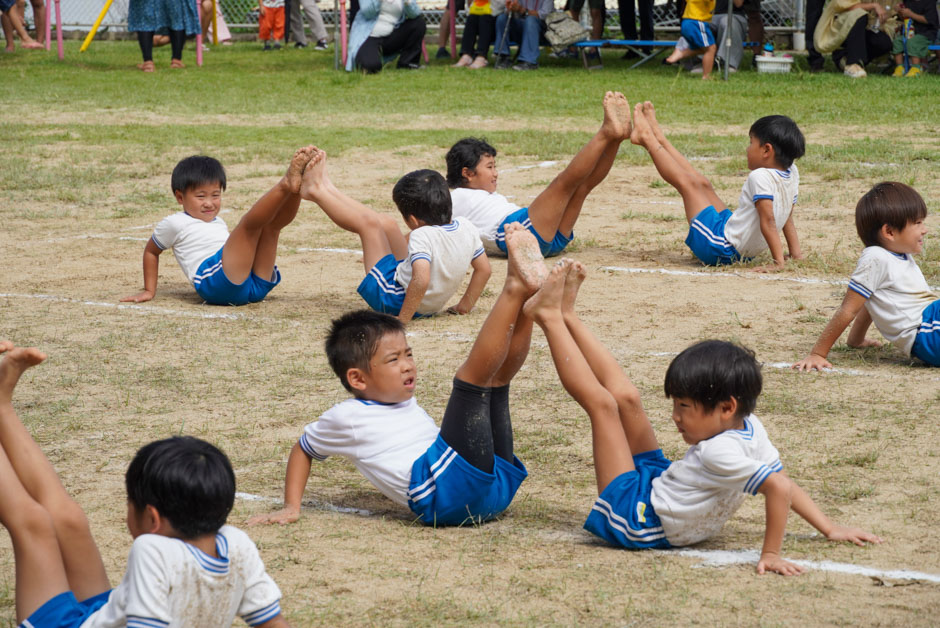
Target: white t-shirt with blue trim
{"points": [[896, 293], [193, 241], [485, 210], [697, 494], [743, 228], [382, 440], [449, 249], [170, 583]]}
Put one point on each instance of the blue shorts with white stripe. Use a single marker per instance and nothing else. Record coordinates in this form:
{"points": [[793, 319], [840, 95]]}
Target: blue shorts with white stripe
{"points": [[707, 238], [64, 611], [623, 514], [927, 341], [212, 285], [448, 490]]}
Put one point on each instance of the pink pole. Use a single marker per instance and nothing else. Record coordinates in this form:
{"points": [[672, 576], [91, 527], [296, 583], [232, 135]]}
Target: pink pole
{"points": [[453, 29], [199, 35], [58, 30], [342, 30], [48, 25]]}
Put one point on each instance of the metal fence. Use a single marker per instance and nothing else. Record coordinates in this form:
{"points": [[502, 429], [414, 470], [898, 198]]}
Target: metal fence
{"points": [[778, 15]]}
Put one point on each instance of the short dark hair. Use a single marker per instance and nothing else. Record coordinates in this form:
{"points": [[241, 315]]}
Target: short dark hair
{"points": [[353, 339], [713, 371], [197, 170], [189, 481], [466, 153], [888, 203], [424, 195], [782, 133]]}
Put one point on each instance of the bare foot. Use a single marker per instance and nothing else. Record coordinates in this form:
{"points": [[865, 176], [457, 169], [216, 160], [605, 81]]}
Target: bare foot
{"points": [[642, 134], [649, 112], [32, 45], [525, 257], [612, 126], [622, 108], [576, 274], [146, 66], [464, 61], [295, 170], [479, 62], [547, 301], [314, 177], [10, 48], [14, 364], [176, 64]]}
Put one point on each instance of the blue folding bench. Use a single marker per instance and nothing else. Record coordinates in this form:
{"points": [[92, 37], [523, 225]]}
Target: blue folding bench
{"points": [[634, 45]]}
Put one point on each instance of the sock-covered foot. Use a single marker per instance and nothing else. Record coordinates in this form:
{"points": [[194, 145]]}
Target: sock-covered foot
{"points": [[525, 256], [573, 280], [295, 171], [14, 364], [547, 300]]}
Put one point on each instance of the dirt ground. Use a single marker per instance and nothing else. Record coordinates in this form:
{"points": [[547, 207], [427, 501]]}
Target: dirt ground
{"points": [[863, 441]]}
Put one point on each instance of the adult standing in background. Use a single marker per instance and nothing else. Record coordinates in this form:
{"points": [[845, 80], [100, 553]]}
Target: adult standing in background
{"points": [[314, 19], [178, 17], [627, 10]]}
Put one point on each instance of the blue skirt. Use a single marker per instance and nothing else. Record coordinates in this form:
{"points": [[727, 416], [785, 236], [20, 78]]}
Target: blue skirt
{"points": [[163, 15]]}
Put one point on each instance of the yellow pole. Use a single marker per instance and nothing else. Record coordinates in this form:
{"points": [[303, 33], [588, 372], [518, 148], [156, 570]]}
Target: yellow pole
{"points": [[215, 25], [94, 28]]}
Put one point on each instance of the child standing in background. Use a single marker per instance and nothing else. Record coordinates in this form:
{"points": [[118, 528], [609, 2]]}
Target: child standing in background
{"points": [[271, 22]]}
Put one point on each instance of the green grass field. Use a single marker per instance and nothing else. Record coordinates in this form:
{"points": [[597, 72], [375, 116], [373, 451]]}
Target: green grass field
{"points": [[88, 145]]}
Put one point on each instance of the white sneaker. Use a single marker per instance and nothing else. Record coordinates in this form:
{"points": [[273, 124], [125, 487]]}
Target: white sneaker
{"points": [[696, 70], [854, 70]]}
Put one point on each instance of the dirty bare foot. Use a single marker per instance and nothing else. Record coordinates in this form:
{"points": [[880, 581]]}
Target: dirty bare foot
{"points": [[612, 126], [573, 280], [525, 256], [649, 113], [14, 364], [295, 170], [642, 134], [314, 180], [547, 301]]}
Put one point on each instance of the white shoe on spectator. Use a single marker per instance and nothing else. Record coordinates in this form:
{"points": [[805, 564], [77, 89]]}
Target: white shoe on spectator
{"points": [[696, 70], [854, 70]]}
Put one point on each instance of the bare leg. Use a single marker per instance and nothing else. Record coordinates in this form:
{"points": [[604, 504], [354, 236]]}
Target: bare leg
{"points": [[83, 570], [39, 18], [633, 419], [678, 55], [378, 233], [553, 208], [8, 33], [25, 40], [612, 454], [241, 248], [506, 327], [708, 61], [697, 192]]}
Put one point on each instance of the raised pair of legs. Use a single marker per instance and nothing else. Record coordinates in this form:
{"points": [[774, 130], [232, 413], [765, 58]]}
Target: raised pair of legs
{"points": [[378, 233], [591, 375], [498, 353], [252, 245], [558, 207], [696, 190], [52, 544]]}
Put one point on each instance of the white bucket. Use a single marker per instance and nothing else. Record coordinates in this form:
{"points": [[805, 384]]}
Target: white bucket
{"points": [[774, 65]]}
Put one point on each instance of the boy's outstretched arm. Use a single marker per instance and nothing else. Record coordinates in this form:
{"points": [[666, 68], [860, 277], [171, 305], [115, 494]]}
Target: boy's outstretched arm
{"points": [[851, 307], [804, 506], [298, 470], [481, 274], [776, 490], [793, 240], [417, 288], [151, 272], [768, 229]]}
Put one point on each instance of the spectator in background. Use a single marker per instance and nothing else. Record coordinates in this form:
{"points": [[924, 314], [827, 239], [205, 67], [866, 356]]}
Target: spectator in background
{"points": [[314, 20], [598, 13], [524, 22], [443, 34], [177, 17], [271, 23], [738, 26], [923, 30], [479, 32], [39, 20], [628, 16], [383, 28], [855, 33]]}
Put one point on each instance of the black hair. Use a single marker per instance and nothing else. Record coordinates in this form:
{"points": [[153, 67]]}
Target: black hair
{"points": [[353, 339], [197, 170], [713, 371], [189, 481], [466, 153], [782, 133], [888, 203], [424, 195]]}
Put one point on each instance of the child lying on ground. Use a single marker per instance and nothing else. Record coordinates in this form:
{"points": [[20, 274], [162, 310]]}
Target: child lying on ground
{"points": [[471, 175], [716, 234], [185, 568], [887, 286], [464, 472], [225, 269], [413, 276], [646, 500]]}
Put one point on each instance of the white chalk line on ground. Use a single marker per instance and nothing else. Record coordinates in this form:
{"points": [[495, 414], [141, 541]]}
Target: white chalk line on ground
{"points": [[541, 164], [314, 504], [723, 558]]}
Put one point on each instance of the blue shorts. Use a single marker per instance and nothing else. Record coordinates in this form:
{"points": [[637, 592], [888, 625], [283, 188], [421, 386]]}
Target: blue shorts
{"points": [[549, 249], [64, 611], [379, 288], [213, 286], [6, 5], [447, 490], [707, 238], [698, 34], [623, 514], [927, 341]]}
